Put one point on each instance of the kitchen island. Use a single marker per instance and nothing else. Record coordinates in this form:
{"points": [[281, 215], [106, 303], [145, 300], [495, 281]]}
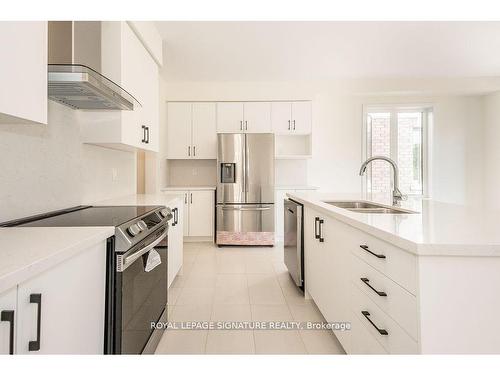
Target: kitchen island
{"points": [[422, 282]]}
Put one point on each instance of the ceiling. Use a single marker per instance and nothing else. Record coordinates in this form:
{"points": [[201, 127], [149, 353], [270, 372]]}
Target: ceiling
{"points": [[284, 51]]}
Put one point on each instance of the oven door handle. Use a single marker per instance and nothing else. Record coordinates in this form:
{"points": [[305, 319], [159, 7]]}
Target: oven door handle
{"points": [[124, 263]]}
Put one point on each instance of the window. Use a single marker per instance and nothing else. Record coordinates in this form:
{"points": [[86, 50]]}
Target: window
{"points": [[399, 133]]}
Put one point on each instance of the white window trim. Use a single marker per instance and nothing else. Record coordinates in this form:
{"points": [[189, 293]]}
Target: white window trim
{"points": [[426, 138]]}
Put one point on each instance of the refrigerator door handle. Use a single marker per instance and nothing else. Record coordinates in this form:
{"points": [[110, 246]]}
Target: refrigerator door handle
{"points": [[232, 208]]}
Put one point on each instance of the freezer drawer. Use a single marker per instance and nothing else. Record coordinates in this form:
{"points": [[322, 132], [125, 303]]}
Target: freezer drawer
{"points": [[293, 243], [245, 224]]}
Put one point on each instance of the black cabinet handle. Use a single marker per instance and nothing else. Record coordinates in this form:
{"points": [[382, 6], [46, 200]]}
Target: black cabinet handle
{"points": [[367, 282], [173, 213], [293, 124], [147, 134], [8, 316], [143, 140], [367, 249], [383, 332], [316, 221], [289, 125], [194, 150], [191, 197], [189, 150], [321, 239], [35, 345]]}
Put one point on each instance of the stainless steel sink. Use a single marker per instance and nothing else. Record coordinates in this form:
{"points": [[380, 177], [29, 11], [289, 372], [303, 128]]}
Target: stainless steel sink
{"points": [[369, 207]]}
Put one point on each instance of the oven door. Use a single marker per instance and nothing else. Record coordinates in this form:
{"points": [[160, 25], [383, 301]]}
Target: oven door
{"points": [[143, 294]]}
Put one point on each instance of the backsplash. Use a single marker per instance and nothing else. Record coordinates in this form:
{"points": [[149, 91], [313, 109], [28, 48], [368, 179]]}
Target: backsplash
{"points": [[47, 167]]}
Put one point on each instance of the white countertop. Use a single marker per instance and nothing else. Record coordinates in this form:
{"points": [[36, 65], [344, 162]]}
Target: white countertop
{"points": [[296, 187], [192, 188], [439, 229], [26, 252], [160, 199]]}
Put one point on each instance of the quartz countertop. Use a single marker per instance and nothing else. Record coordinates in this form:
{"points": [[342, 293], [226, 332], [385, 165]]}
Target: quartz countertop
{"points": [[193, 188], [296, 187], [160, 199], [437, 229], [27, 251]]}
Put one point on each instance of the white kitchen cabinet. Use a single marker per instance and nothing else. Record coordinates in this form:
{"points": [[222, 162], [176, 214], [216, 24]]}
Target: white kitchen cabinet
{"points": [[71, 299], [179, 120], [257, 117], [23, 72], [126, 61], [199, 211], [8, 315], [191, 131], [291, 117], [175, 240], [247, 117], [204, 131], [230, 117]]}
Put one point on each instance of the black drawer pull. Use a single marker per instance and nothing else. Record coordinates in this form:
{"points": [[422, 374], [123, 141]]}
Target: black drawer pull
{"points": [[316, 221], [321, 239], [173, 213], [34, 346], [367, 249], [8, 316], [367, 282], [383, 332]]}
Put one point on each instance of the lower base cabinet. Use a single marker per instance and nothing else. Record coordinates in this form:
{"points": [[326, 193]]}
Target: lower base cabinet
{"points": [[175, 240], [8, 304], [61, 310]]}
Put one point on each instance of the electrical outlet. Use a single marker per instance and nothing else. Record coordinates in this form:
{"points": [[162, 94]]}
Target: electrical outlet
{"points": [[114, 174]]}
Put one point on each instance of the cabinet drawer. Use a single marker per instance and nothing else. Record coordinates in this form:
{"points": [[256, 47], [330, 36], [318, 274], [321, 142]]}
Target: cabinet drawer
{"points": [[397, 302], [393, 262], [391, 336], [362, 342]]}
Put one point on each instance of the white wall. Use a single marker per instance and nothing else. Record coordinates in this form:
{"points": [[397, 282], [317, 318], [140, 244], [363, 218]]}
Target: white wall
{"points": [[457, 141], [492, 150], [46, 167]]}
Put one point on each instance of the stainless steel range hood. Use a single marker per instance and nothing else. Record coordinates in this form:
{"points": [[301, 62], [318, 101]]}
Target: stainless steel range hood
{"points": [[74, 77]]}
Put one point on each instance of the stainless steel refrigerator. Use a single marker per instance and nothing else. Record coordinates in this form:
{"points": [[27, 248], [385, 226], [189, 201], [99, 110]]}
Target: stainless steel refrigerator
{"points": [[245, 189]]}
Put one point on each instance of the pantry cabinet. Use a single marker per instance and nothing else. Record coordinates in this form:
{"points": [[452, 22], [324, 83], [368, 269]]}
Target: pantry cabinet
{"points": [[291, 117], [243, 117], [127, 62], [59, 311], [175, 239], [23, 72], [191, 131], [199, 212]]}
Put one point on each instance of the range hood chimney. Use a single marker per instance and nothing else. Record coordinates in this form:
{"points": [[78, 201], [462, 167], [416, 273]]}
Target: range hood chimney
{"points": [[74, 70]]}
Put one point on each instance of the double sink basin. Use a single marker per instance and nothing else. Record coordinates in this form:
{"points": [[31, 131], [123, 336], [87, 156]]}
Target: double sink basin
{"points": [[369, 207]]}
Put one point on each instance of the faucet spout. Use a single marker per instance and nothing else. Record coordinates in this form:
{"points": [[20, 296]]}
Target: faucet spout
{"points": [[397, 196]]}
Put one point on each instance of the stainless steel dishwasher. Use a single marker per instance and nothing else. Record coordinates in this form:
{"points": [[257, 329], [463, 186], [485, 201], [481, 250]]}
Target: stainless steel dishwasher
{"points": [[293, 241]]}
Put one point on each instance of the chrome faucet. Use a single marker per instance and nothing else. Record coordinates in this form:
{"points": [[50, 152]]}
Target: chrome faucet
{"points": [[397, 196]]}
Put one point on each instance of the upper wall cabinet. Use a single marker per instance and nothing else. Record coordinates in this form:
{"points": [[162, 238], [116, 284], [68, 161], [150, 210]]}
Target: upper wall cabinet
{"points": [[191, 131], [126, 60], [23, 72], [247, 117], [291, 117]]}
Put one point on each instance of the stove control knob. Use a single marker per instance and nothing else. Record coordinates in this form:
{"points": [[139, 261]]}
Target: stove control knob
{"points": [[165, 212], [134, 230], [142, 225]]}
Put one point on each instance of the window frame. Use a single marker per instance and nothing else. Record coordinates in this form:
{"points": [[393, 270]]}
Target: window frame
{"points": [[427, 110]]}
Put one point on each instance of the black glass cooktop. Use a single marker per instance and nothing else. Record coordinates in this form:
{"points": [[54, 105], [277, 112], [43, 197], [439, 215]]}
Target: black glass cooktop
{"points": [[84, 216]]}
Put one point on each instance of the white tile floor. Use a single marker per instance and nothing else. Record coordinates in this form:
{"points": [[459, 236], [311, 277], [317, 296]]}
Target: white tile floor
{"points": [[240, 284]]}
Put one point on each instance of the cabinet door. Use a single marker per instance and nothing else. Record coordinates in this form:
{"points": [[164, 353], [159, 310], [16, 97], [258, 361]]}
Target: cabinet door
{"points": [[23, 72], [229, 117], [279, 217], [204, 135], [151, 82], [179, 122], [132, 72], [201, 213], [281, 117], [175, 242], [257, 116], [71, 309], [8, 311], [301, 117]]}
